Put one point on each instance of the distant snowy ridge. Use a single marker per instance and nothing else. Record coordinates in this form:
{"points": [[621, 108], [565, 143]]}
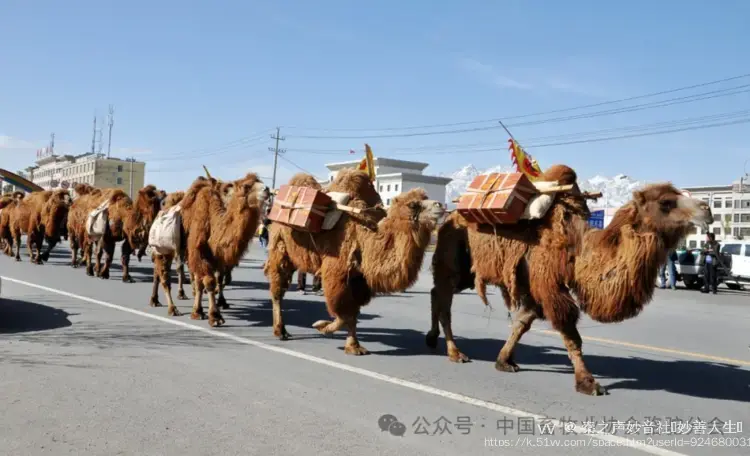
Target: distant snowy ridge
{"points": [[616, 190]]}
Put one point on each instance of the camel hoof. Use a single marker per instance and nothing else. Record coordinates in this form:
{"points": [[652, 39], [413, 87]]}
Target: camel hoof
{"points": [[197, 316], [222, 303], [90, 273], [104, 275], [281, 333], [431, 339], [174, 312], [18, 259], [215, 319], [508, 366], [154, 303], [356, 350], [181, 295], [458, 357], [321, 324], [128, 279], [590, 387]]}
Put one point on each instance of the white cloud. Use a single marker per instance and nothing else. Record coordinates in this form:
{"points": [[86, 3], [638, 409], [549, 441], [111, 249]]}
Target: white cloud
{"points": [[489, 74], [537, 80], [11, 143]]}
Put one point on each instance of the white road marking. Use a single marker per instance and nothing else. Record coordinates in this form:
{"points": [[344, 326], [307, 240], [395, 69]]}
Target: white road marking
{"points": [[613, 439]]}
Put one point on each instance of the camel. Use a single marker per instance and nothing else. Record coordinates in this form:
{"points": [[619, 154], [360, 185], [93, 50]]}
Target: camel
{"points": [[217, 233], [540, 264], [86, 199], [362, 256], [7, 205], [40, 216], [163, 265]]}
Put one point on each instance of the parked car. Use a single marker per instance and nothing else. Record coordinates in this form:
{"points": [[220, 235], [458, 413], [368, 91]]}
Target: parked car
{"points": [[739, 251], [689, 268]]}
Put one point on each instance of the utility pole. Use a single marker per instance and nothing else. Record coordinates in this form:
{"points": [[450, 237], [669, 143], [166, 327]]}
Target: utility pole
{"points": [[111, 123], [52, 143], [276, 153]]}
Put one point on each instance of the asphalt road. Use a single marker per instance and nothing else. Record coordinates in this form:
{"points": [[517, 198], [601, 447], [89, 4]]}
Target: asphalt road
{"points": [[87, 367]]}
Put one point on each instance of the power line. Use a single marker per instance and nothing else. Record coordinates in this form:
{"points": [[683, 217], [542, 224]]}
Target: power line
{"points": [[296, 166], [535, 114], [741, 115], [207, 152], [638, 107]]}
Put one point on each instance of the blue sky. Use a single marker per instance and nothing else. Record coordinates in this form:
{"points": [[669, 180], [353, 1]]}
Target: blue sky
{"points": [[198, 83]]}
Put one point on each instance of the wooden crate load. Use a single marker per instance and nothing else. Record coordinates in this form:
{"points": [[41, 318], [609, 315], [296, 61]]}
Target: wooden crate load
{"points": [[307, 209], [506, 198]]}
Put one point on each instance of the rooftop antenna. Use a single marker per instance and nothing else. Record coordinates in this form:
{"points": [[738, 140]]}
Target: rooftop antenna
{"points": [[111, 122], [93, 136], [52, 143], [99, 147]]}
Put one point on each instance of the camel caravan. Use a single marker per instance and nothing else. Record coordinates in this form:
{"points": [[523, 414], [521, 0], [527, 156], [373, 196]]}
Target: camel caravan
{"points": [[525, 232]]}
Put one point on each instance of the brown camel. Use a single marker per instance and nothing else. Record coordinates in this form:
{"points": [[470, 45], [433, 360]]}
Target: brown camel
{"points": [[363, 255], [8, 203], [217, 233], [40, 216], [85, 200], [163, 265], [540, 264]]}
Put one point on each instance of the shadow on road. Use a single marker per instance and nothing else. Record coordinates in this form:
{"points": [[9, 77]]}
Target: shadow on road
{"points": [[17, 316]]}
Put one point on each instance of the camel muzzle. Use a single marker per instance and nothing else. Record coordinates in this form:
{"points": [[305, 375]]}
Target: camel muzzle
{"points": [[434, 208]]}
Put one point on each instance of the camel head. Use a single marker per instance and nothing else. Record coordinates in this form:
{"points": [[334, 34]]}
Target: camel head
{"points": [[415, 206], [148, 203], [252, 188], [55, 214], [662, 208]]}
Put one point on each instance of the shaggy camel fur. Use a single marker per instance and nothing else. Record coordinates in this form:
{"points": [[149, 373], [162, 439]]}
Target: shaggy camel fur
{"points": [[40, 216], [8, 203], [539, 264], [85, 200], [163, 265], [362, 256], [217, 234]]}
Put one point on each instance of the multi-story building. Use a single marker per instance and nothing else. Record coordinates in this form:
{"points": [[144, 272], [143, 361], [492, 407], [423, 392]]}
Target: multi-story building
{"points": [[64, 171], [393, 177], [730, 205]]}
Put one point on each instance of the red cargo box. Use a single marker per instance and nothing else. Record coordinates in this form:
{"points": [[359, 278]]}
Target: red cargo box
{"points": [[302, 208], [496, 198]]}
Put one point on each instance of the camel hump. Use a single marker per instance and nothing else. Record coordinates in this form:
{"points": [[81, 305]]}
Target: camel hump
{"points": [[564, 175], [305, 180]]}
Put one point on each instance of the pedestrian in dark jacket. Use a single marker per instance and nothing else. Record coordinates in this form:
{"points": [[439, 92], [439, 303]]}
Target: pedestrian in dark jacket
{"points": [[711, 250]]}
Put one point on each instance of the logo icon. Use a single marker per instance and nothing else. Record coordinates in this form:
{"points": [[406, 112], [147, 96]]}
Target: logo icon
{"points": [[391, 424]]}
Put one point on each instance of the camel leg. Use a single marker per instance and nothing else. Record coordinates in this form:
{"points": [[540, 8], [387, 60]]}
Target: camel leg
{"points": [[585, 382], [441, 302], [279, 272], [221, 301], [181, 280], [214, 314], [17, 242], [158, 262], [51, 243], [521, 325], [109, 250], [342, 303], [197, 313], [73, 252], [88, 252], [99, 251], [125, 253]]}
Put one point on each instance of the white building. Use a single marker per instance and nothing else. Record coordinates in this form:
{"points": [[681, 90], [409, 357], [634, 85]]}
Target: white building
{"points": [[730, 205], [53, 171], [393, 177]]}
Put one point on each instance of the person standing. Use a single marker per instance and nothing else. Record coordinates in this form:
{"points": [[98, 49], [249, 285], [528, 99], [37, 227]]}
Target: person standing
{"points": [[670, 264], [711, 250]]}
